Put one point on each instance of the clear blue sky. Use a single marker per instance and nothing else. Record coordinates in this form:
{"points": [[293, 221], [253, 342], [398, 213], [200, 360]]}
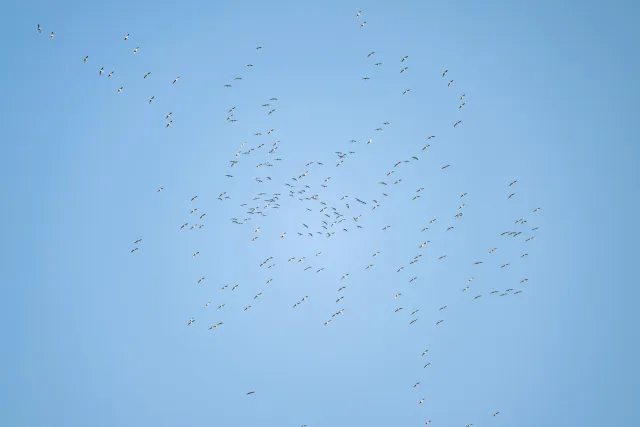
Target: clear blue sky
{"points": [[95, 335]]}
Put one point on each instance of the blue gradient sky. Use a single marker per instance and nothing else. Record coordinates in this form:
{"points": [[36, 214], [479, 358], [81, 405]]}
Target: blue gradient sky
{"points": [[95, 335]]}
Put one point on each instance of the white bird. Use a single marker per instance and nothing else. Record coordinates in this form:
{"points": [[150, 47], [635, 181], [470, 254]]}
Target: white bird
{"points": [[119, 90], [51, 36], [126, 37], [136, 50], [84, 61], [176, 80], [363, 24]]}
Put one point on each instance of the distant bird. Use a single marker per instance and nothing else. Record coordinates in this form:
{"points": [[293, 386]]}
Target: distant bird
{"points": [[146, 75], [251, 392], [126, 37], [51, 36], [119, 90], [445, 73], [39, 29], [84, 61], [450, 83], [136, 50], [363, 24], [176, 80]]}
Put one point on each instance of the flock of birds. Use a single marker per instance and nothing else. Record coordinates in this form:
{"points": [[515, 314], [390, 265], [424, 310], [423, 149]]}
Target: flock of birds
{"points": [[333, 216]]}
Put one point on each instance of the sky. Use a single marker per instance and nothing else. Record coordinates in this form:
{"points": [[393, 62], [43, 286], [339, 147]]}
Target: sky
{"points": [[97, 335]]}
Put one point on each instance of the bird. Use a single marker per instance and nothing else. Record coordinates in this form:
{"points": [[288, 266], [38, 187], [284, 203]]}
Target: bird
{"points": [[136, 50], [119, 90], [126, 37], [39, 29], [51, 36], [176, 80], [84, 61], [147, 75]]}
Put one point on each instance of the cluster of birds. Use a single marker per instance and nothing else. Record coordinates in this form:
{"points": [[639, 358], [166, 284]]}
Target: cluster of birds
{"points": [[334, 216]]}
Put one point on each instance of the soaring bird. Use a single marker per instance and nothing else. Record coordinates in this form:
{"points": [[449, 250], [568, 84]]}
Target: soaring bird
{"points": [[39, 29], [84, 61], [126, 37], [51, 36], [176, 80]]}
